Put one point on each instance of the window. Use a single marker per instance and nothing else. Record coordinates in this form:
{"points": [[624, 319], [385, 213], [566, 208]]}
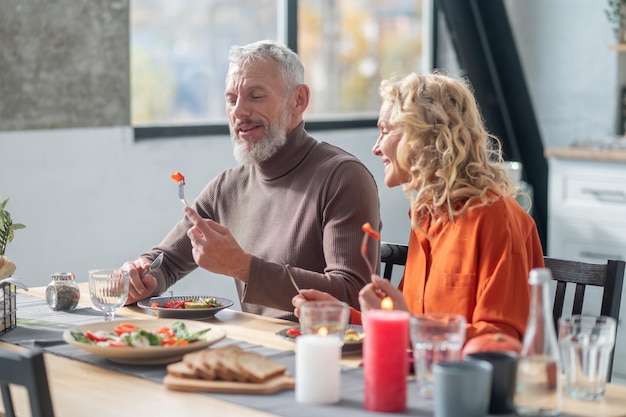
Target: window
{"points": [[179, 53]]}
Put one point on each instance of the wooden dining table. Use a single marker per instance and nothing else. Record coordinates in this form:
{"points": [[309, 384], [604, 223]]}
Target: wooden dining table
{"points": [[81, 389]]}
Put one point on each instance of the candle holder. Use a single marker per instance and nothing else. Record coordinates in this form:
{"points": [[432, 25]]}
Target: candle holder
{"points": [[318, 351], [324, 318]]}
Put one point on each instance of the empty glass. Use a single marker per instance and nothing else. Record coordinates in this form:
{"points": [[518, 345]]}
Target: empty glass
{"points": [[586, 343], [108, 289], [436, 338]]}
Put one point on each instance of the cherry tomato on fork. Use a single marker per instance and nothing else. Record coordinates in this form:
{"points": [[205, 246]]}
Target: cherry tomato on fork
{"points": [[178, 177], [367, 228]]}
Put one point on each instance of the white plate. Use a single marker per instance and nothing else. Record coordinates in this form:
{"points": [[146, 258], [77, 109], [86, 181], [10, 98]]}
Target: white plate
{"points": [[182, 313], [152, 355]]}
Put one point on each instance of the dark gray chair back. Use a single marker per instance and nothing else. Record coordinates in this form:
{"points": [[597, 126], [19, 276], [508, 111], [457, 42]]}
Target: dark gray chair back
{"points": [[392, 254], [26, 369], [609, 276]]}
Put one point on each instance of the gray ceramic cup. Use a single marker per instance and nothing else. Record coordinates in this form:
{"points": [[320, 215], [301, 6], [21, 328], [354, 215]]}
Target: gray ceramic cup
{"points": [[503, 380], [462, 388]]}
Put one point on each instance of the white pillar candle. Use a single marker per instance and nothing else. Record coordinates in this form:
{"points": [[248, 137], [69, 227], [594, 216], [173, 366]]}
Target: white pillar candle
{"points": [[317, 369]]}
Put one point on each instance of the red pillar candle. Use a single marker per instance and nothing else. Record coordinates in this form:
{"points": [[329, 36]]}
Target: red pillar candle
{"points": [[385, 360]]}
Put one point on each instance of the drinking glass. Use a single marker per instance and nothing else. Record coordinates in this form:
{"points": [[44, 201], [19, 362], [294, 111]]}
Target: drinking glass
{"points": [[586, 343], [108, 289], [436, 337]]}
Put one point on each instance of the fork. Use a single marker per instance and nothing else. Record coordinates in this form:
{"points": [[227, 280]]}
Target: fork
{"points": [[293, 281], [180, 178], [368, 231]]}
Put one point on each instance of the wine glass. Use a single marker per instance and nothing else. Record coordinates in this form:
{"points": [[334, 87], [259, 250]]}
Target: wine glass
{"points": [[108, 289]]}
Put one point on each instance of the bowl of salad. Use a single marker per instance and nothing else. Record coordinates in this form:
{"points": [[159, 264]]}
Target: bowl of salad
{"points": [[185, 306], [143, 342]]}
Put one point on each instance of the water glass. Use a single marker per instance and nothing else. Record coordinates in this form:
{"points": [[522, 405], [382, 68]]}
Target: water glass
{"points": [[108, 289], [436, 337], [586, 343]]}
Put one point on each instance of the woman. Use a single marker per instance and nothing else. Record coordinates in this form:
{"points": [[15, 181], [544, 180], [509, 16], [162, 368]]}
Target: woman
{"points": [[471, 245]]}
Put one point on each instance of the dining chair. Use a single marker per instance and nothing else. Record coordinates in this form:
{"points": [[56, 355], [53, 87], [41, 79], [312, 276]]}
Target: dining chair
{"points": [[609, 276], [392, 254], [28, 370]]}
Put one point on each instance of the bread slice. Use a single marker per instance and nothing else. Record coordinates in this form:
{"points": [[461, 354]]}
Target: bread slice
{"points": [[181, 370], [227, 367], [198, 362], [228, 363], [257, 367]]}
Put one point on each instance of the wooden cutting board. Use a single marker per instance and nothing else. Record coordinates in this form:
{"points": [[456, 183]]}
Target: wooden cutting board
{"points": [[279, 383]]}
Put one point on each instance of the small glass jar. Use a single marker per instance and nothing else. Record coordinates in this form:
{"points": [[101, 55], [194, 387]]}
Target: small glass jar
{"points": [[62, 294]]}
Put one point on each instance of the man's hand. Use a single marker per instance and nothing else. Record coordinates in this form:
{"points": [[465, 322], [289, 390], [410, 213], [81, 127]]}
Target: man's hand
{"points": [[140, 286], [215, 249]]}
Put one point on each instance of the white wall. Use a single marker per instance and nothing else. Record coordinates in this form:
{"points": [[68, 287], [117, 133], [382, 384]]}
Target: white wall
{"points": [[571, 73], [93, 198]]}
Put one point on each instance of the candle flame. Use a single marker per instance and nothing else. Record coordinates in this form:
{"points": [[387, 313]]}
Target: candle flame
{"points": [[386, 303], [322, 331]]}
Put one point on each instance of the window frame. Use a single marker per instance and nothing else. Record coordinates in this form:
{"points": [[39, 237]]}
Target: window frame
{"points": [[288, 31]]}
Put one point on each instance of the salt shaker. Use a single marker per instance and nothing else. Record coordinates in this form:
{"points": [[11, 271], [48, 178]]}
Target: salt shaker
{"points": [[62, 293], [538, 391]]}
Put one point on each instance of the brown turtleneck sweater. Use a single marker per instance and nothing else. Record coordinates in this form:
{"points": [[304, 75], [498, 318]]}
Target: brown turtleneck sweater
{"points": [[305, 206]]}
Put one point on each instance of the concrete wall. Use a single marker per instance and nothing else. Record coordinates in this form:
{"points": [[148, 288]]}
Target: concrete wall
{"points": [[63, 64]]}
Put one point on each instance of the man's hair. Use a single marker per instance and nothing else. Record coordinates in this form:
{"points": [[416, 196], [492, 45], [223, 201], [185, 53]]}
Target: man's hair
{"points": [[289, 63]]}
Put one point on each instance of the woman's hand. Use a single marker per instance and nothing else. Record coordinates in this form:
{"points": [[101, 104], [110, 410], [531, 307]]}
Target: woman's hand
{"points": [[371, 295], [309, 295]]}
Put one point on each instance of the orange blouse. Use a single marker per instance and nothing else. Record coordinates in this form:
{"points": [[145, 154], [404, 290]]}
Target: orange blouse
{"points": [[477, 266]]}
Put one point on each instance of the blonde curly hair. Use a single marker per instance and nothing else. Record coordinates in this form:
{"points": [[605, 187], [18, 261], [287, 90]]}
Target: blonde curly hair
{"points": [[452, 162]]}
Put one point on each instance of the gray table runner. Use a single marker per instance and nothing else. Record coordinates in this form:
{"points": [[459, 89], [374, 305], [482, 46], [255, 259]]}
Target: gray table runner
{"points": [[38, 326]]}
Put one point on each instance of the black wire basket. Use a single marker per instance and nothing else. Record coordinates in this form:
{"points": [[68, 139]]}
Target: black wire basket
{"points": [[8, 307]]}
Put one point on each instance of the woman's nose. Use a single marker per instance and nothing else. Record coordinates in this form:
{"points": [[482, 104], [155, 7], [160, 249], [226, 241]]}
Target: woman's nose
{"points": [[376, 147]]}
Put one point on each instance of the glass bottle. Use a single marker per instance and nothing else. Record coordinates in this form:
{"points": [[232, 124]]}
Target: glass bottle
{"points": [[538, 391], [62, 293]]}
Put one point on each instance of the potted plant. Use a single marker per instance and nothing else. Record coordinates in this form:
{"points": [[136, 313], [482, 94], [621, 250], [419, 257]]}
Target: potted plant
{"points": [[7, 227], [616, 14]]}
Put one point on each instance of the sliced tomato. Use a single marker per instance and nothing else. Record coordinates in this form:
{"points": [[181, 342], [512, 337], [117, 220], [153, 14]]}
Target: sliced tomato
{"points": [[116, 344], [175, 304], [165, 332], [94, 337], [293, 332], [122, 328], [174, 342]]}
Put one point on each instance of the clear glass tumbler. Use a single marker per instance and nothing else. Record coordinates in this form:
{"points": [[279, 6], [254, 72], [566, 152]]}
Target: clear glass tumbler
{"points": [[435, 338], [586, 343]]}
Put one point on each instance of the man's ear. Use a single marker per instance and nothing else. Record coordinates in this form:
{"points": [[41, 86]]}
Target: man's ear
{"points": [[300, 98]]}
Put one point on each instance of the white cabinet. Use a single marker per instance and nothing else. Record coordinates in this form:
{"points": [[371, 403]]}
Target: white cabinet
{"points": [[587, 222]]}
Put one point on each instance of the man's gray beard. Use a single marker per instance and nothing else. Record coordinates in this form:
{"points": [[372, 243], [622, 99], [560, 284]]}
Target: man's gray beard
{"points": [[275, 137]]}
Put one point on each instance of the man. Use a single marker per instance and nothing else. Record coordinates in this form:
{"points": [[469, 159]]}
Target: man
{"points": [[292, 200]]}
